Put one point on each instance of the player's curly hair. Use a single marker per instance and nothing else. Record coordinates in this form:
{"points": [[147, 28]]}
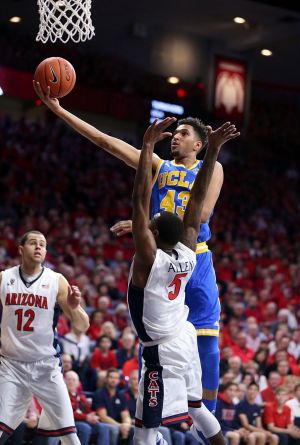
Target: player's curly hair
{"points": [[198, 126], [170, 228]]}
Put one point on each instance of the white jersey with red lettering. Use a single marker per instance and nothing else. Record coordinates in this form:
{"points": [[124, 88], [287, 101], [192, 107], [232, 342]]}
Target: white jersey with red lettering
{"points": [[29, 315], [158, 311]]}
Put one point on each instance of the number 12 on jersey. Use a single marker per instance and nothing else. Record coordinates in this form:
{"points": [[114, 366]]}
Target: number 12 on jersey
{"points": [[23, 325]]}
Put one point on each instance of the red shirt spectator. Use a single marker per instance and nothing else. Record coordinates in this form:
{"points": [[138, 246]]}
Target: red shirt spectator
{"points": [[102, 357], [240, 349], [80, 405], [96, 325], [268, 394], [280, 417]]}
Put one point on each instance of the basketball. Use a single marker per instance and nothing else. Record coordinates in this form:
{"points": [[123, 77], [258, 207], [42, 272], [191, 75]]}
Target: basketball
{"points": [[58, 74]]}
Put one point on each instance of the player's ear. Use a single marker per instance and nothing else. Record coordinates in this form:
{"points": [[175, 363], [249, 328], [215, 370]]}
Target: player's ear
{"points": [[197, 146], [155, 233], [20, 250]]}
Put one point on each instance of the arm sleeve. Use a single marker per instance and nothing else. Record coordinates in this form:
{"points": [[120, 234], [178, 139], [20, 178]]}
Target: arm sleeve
{"points": [[98, 400], [95, 360], [268, 414]]}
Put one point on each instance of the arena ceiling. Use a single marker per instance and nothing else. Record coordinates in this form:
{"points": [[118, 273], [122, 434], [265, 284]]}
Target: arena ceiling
{"points": [[273, 24]]}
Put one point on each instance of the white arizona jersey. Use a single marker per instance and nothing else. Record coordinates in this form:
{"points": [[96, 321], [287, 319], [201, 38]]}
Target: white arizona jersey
{"points": [[158, 311], [29, 315]]}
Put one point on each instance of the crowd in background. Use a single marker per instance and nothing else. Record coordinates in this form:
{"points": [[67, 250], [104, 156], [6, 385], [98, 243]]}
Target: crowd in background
{"points": [[54, 181]]}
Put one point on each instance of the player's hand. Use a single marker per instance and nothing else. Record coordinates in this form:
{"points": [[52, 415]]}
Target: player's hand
{"points": [[51, 102], [218, 137], [122, 227], [156, 131], [74, 297]]}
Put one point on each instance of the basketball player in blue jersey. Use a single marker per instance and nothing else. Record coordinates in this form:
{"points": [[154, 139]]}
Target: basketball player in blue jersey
{"points": [[162, 266], [172, 182]]}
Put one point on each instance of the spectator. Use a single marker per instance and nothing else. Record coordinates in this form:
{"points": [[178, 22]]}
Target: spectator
{"points": [[228, 377], [226, 415], [268, 394], [86, 421], [285, 316], [261, 358], [111, 407], [240, 348], [103, 306], [277, 357], [67, 362], [125, 352], [226, 354], [294, 405], [249, 415], [283, 369], [103, 358], [131, 364], [294, 345], [235, 367], [109, 329], [96, 325], [253, 337], [77, 345], [290, 383], [278, 419], [121, 317]]}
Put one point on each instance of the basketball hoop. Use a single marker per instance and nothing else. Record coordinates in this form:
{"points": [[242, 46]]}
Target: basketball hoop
{"points": [[64, 20]]}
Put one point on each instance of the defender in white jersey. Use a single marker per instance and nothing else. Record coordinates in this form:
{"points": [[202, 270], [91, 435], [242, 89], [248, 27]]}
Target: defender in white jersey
{"points": [[31, 298], [170, 386]]}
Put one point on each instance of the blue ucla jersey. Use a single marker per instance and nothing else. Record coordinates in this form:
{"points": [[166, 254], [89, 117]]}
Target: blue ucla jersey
{"points": [[172, 184]]}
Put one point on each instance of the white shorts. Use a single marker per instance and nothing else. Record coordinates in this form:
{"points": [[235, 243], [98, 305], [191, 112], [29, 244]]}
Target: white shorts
{"points": [[44, 379], [170, 381]]}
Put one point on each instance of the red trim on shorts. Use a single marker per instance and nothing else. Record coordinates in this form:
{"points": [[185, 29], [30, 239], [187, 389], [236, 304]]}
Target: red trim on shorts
{"points": [[6, 428], [194, 403], [175, 419], [57, 433], [138, 423]]}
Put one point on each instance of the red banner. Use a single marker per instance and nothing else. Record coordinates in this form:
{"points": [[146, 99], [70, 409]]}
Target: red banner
{"points": [[230, 88]]}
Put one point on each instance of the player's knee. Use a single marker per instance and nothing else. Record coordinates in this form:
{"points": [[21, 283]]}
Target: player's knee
{"points": [[205, 421]]}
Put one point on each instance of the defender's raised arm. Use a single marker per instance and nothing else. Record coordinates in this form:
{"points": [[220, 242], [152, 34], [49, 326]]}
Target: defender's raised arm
{"points": [[192, 216], [145, 246]]}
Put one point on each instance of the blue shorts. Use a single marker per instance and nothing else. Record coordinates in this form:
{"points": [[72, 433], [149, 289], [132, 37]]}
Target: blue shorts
{"points": [[202, 296]]}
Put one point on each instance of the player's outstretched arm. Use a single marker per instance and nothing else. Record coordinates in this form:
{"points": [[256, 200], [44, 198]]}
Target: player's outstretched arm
{"points": [[69, 298], [116, 147], [192, 215], [145, 246]]}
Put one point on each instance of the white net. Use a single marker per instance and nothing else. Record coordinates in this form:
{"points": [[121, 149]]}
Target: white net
{"points": [[64, 20]]}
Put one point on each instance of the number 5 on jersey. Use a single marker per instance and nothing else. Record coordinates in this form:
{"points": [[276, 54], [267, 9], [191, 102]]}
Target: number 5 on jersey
{"points": [[176, 284]]}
